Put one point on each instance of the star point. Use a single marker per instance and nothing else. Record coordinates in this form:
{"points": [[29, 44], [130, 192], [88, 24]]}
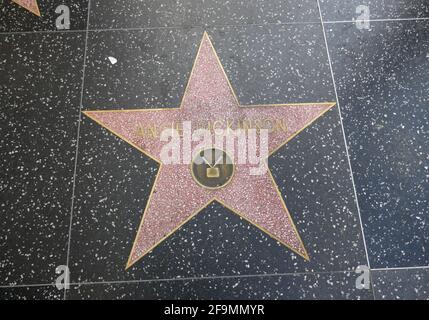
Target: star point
{"points": [[30, 5]]}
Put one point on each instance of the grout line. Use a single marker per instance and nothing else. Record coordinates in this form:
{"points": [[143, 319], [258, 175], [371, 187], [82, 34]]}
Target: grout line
{"points": [[345, 139], [40, 31], [77, 147], [37, 285], [400, 268], [245, 276], [201, 26], [377, 20], [208, 278], [211, 26], [186, 279]]}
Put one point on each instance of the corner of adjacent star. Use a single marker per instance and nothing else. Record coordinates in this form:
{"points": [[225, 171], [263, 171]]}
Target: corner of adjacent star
{"points": [[37, 12], [33, 8]]}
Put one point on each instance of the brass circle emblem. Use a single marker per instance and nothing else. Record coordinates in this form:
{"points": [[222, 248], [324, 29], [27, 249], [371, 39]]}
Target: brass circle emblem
{"points": [[212, 168]]}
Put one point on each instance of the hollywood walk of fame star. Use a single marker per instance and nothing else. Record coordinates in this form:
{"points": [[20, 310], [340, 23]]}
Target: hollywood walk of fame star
{"points": [[30, 5], [179, 192]]}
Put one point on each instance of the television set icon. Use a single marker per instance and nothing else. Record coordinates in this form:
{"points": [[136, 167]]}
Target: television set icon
{"points": [[213, 173]]}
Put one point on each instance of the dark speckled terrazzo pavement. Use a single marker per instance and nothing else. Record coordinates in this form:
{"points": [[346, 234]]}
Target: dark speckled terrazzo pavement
{"points": [[356, 181]]}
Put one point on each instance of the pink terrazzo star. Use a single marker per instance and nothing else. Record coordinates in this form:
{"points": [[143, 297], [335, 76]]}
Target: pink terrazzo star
{"points": [[176, 197]]}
